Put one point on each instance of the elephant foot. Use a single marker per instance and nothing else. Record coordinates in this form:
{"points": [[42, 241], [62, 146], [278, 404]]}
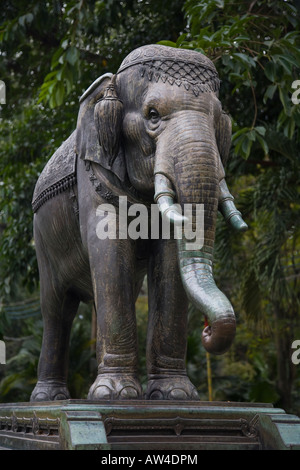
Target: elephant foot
{"points": [[176, 387], [50, 391], [115, 387]]}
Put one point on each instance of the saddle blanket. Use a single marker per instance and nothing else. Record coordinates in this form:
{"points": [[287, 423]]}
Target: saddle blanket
{"points": [[58, 175]]}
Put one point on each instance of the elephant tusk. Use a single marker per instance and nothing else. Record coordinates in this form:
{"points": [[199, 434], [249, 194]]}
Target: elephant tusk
{"points": [[164, 198], [228, 209]]}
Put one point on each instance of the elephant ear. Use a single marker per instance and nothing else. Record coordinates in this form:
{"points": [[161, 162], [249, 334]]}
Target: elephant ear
{"points": [[98, 131], [223, 136]]}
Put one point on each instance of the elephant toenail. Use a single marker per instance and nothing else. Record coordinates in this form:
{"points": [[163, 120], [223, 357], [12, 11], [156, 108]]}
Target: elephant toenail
{"points": [[101, 393], [41, 397], [128, 392], [60, 396], [157, 395], [177, 394]]}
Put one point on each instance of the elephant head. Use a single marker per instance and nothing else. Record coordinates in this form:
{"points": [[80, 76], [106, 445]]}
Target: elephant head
{"points": [[158, 123]]}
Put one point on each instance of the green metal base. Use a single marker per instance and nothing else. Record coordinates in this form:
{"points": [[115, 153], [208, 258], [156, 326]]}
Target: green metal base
{"points": [[144, 425]]}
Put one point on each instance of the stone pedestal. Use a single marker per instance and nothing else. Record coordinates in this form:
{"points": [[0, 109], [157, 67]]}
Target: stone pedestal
{"points": [[144, 425]]}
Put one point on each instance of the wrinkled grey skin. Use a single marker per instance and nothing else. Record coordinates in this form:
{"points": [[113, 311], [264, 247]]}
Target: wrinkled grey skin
{"points": [[168, 143]]}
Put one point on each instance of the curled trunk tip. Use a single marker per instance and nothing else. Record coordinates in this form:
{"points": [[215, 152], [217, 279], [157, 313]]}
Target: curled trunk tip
{"points": [[218, 337], [202, 291]]}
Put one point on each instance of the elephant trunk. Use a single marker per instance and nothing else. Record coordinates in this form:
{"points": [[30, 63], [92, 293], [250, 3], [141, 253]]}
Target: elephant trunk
{"points": [[194, 175]]}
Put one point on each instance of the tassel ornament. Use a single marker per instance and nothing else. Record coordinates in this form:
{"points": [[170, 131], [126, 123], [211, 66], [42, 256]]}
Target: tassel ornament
{"points": [[108, 115]]}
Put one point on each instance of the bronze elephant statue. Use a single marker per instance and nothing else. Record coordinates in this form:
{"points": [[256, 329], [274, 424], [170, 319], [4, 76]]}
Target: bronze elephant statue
{"points": [[153, 134]]}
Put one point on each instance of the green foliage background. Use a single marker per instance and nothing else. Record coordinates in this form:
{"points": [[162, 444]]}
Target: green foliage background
{"points": [[50, 52]]}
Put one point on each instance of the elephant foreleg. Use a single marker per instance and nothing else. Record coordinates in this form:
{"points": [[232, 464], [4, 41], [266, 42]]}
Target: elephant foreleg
{"points": [[114, 293], [167, 327]]}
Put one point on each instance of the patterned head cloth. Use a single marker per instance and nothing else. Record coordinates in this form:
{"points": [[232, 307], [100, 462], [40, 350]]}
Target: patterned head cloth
{"points": [[181, 67]]}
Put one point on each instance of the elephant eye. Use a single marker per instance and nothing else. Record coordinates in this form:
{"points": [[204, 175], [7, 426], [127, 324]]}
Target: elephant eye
{"points": [[153, 115]]}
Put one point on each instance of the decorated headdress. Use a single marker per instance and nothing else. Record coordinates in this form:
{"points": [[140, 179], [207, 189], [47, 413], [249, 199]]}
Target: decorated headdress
{"points": [[181, 67]]}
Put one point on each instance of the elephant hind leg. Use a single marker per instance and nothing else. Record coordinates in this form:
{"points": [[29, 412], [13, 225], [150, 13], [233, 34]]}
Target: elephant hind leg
{"points": [[53, 364], [59, 307]]}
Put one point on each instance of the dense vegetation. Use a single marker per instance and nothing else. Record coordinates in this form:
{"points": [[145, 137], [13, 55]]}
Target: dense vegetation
{"points": [[50, 53]]}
